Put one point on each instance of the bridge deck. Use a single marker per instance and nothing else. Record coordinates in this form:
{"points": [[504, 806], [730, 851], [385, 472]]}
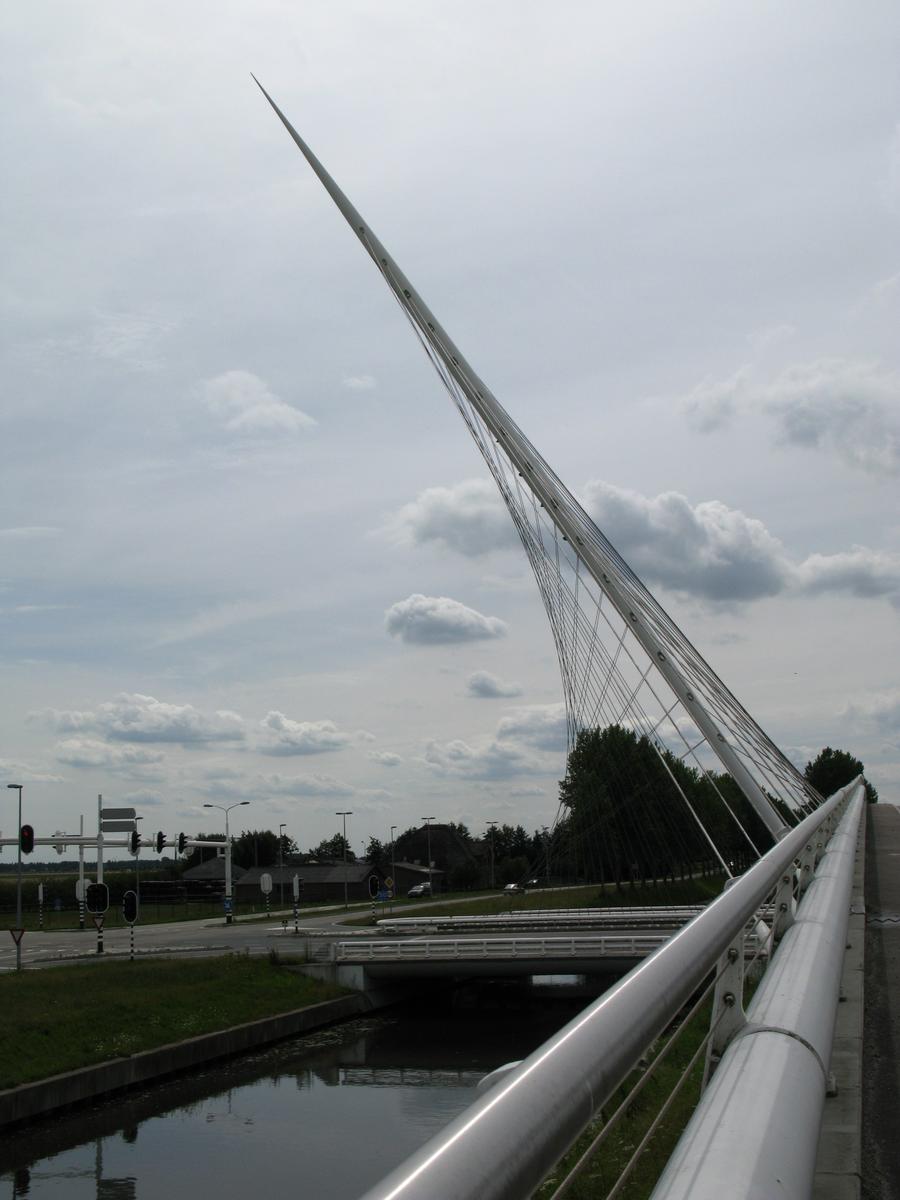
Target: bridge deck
{"points": [[881, 1045]]}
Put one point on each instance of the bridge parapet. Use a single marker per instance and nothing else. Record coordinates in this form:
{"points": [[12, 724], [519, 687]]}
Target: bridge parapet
{"points": [[507, 1142]]}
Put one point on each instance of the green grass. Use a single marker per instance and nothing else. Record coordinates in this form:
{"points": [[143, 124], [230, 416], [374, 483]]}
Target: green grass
{"points": [[57, 1020], [699, 890]]}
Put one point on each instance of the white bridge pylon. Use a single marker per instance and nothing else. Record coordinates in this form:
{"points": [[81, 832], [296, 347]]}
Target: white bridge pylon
{"points": [[623, 659]]}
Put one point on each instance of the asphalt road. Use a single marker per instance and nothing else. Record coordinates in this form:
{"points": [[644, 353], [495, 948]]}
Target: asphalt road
{"points": [[178, 937], [881, 1036]]}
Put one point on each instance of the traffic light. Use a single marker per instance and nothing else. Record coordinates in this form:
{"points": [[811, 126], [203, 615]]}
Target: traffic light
{"points": [[182, 842], [130, 907], [26, 839], [96, 898], [160, 842], [135, 841]]}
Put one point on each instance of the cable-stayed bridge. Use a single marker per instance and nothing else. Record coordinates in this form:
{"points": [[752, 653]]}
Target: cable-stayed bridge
{"points": [[680, 760]]}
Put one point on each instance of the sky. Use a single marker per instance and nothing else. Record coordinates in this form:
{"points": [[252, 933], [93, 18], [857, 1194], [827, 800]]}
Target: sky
{"points": [[248, 550]]}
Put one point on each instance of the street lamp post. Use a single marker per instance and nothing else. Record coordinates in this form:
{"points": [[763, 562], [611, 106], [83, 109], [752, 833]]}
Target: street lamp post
{"points": [[345, 815], [393, 870], [281, 829], [137, 868], [18, 787], [228, 898], [491, 825], [428, 851]]}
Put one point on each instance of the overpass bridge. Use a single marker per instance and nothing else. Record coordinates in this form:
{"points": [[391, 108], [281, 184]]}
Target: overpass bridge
{"points": [[593, 941]]}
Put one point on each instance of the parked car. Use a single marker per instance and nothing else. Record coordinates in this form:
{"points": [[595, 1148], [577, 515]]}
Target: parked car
{"points": [[418, 890], [512, 888]]}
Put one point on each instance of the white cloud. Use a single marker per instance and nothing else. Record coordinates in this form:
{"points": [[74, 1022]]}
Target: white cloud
{"points": [[244, 404], [859, 572], [539, 726], [144, 798], [713, 403], [385, 758], [281, 735], [469, 518], [304, 785], [486, 686], [878, 712], [89, 752], [528, 741], [434, 620], [20, 772], [848, 407], [719, 554], [707, 550], [132, 717], [360, 383], [490, 761]]}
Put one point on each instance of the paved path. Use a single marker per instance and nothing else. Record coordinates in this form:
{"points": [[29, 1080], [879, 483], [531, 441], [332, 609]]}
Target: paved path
{"points": [[881, 1047], [177, 937]]}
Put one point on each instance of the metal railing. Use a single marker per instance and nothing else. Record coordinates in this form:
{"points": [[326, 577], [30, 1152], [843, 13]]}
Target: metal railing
{"points": [[502, 1146], [662, 917], [500, 949]]}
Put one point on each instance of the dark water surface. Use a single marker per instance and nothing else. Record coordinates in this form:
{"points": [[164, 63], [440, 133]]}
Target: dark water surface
{"points": [[321, 1117]]}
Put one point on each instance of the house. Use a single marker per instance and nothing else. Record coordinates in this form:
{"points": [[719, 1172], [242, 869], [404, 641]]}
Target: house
{"points": [[320, 881]]}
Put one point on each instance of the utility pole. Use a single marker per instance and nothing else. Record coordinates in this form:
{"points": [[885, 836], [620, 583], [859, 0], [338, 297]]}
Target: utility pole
{"points": [[345, 815], [281, 829], [490, 825], [428, 843], [18, 787]]}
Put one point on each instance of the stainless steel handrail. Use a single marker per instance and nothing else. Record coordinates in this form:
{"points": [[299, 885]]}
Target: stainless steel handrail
{"points": [[755, 1132], [507, 1142]]}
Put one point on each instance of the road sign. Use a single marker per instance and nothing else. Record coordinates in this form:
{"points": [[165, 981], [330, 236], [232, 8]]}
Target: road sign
{"points": [[296, 882], [40, 893], [117, 826], [384, 894], [79, 888], [17, 935], [117, 814], [97, 918], [227, 903], [265, 883], [389, 881]]}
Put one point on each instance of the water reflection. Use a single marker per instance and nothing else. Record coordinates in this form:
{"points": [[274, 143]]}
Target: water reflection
{"points": [[325, 1116]]}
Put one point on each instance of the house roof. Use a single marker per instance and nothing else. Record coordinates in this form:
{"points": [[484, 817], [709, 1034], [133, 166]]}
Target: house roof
{"points": [[417, 869], [314, 873], [213, 868]]}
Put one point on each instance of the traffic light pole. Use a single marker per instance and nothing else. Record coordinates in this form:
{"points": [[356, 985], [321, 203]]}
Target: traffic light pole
{"points": [[19, 884]]}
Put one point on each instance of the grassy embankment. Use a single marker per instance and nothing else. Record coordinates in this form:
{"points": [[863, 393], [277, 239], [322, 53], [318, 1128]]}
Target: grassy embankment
{"points": [[57, 1020], [699, 890]]}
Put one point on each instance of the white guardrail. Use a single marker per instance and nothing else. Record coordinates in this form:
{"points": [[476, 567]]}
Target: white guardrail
{"points": [[501, 949], [771, 1081]]}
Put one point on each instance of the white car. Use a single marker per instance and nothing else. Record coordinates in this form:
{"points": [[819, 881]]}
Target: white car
{"points": [[419, 889]]}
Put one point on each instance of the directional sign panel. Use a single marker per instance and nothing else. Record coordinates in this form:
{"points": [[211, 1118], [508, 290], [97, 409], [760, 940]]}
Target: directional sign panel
{"points": [[117, 814], [117, 826]]}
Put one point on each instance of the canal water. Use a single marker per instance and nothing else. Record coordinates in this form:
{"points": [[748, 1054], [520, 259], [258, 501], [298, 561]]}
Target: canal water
{"points": [[320, 1117]]}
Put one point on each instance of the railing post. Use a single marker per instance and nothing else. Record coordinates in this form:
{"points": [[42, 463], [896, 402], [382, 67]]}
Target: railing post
{"points": [[784, 907], [728, 1005], [806, 866]]}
